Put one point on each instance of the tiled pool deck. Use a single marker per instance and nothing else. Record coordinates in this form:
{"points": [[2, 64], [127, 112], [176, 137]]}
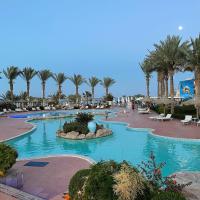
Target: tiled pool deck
{"points": [[52, 180]]}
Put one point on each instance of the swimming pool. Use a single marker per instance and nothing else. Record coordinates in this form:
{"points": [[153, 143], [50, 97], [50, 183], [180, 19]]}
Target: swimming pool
{"points": [[55, 113], [125, 144]]}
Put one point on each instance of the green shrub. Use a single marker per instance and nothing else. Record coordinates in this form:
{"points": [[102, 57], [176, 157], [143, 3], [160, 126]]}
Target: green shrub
{"points": [[8, 157], [179, 111], [168, 196], [99, 182], [84, 117], [75, 126], [109, 97], [77, 183]]}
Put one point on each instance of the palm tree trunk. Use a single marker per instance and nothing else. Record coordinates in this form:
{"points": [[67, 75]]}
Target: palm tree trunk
{"points": [[59, 92], [106, 91], [93, 95], [159, 85], [166, 86], [147, 85], [162, 84], [28, 89], [197, 90], [43, 92], [11, 90], [171, 78], [77, 94]]}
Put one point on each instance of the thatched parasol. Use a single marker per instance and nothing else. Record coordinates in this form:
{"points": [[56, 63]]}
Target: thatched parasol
{"points": [[147, 99], [163, 101]]}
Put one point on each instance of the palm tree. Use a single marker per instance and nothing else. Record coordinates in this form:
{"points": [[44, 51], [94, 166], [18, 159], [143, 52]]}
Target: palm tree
{"points": [[11, 74], [146, 67], [158, 64], [27, 74], [193, 64], [60, 79], [107, 83], [93, 81], [44, 75], [77, 80], [172, 51]]}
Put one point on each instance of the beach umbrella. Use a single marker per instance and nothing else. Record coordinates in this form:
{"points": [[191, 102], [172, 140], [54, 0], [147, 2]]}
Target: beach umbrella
{"points": [[147, 99], [163, 101]]}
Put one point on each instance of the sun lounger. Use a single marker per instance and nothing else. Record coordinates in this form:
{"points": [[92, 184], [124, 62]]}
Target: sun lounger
{"points": [[38, 108], [47, 108], [5, 110], [155, 117], [53, 108], [142, 109], [24, 109], [147, 111], [33, 109], [18, 110], [10, 110], [168, 117], [187, 120]]}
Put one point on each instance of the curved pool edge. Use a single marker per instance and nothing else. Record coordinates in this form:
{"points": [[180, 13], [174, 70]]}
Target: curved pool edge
{"points": [[151, 131], [34, 126], [86, 158]]}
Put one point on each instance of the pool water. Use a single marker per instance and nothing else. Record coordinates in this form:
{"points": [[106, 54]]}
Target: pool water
{"points": [[125, 144]]}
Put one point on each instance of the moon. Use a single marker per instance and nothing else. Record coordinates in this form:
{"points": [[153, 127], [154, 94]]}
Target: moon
{"points": [[180, 28]]}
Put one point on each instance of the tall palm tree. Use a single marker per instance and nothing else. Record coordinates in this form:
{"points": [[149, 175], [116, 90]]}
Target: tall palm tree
{"points": [[60, 78], [77, 80], [146, 67], [93, 81], [158, 64], [27, 74], [193, 64], [44, 75], [107, 83], [11, 74], [172, 51]]}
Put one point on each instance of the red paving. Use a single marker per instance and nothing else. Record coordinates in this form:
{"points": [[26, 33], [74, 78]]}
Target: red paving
{"points": [[10, 127], [6, 197], [172, 128], [52, 180]]}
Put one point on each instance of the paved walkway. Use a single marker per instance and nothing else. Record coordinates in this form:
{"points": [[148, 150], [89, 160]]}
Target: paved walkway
{"points": [[6, 197], [172, 128], [10, 127], [52, 180]]}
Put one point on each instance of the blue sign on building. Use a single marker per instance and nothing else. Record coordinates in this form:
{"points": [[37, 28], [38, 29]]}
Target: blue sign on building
{"points": [[187, 89]]}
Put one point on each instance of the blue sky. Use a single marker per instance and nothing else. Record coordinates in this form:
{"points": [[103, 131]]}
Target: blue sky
{"points": [[93, 38]]}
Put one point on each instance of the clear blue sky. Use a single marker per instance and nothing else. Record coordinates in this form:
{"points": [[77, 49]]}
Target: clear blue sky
{"points": [[90, 37]]}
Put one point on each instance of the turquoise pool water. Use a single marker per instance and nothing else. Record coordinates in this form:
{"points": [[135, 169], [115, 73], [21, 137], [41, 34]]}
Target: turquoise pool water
{"points": [[125, 144]]}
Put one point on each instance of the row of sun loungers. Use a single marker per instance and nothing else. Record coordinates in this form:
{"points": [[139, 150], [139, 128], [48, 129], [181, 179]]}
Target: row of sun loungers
{"points": [[5, 111], [188, 119]]}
